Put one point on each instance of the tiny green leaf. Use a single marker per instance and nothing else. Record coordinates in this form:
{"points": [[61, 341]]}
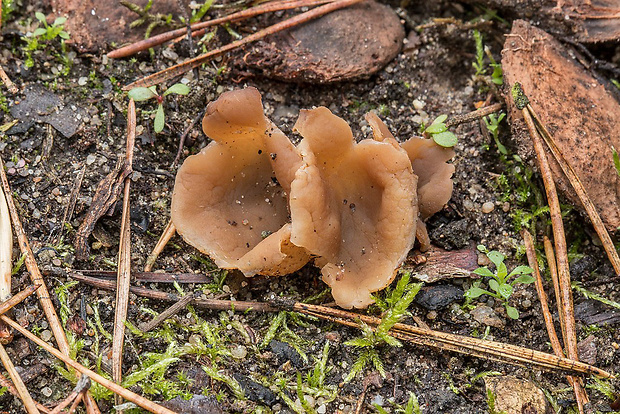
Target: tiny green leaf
{"points": [[141, 94], [178, 88], [64, 35], [39, 32], [494, 285], [445, 139], [40, 17], [159, 119], [502, 271], [59, 21], [496, 257], [505, 290], [482, 248], [436, 128], [525, 279], [483, 271], [616, 160], [440, 119], [512, 312], [521, 270], [474, 292]]}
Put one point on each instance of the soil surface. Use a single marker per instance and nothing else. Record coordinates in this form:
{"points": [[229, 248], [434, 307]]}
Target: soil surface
{"points": [[206, 352]]}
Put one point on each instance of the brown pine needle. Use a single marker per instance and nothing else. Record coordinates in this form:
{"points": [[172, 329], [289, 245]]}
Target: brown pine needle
{"points": [[196, 27], [172, 310], [7, 81], [470, 346], [167, 234], [6, 260], [124, 257], [5, 382], [553, 269], [580, 393], [190, 64], [570, 339], [29, 404], [123, 392], [18, 298], [474, 115], [575, 181], [37, 279]]}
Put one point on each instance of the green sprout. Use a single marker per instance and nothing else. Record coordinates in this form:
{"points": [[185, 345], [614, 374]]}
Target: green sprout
{"points": [[143, 94], [35, 40], [616, 158], [492, 122], [500, 280], [497, 75], [395, 307], [438, 130]]}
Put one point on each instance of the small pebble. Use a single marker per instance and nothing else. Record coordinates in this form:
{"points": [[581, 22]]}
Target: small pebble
{"points": [[47, 391], [322, 409], [91, 158], [506, 207], [239, 352], [46, 335], [468, 204], [56, 262], [431, 315], [488, 207], [418, 104], [526, 304], [82, 81]]}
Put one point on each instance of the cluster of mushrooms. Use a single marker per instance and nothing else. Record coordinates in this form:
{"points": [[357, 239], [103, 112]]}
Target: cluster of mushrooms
{"points": [[253, 201]]}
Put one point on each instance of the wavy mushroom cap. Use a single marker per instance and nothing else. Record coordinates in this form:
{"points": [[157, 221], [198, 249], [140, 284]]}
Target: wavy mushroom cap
{"points": [[353, 204], [429, 163], [230, 200]]}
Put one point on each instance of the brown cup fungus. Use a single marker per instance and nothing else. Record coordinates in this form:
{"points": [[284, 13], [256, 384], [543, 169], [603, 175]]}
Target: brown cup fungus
{"points": [[230, 200], [352, 204], [254, 202]]}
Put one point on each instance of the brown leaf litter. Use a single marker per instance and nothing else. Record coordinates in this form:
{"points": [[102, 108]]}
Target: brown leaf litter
{"points": [[581, 114]]}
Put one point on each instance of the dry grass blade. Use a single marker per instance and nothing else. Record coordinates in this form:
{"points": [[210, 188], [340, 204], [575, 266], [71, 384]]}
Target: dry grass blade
{"points": [[151, 277], [169, 231], [6, 259], [68, 213], [457, 343], [575, 181], [188, 65], [196, 27], [580, 393], [559, 237], [125, 393], [124, 256], [5, 382], [29, 404]]}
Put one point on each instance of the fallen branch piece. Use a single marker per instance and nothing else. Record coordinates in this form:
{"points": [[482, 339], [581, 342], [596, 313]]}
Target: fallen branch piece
{"points": [[172, 310], [123, 392], [151, 277], [18, 298]]}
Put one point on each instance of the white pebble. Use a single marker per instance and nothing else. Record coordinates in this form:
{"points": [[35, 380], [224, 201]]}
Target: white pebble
{"points": [[82, 81], [47, 391], [46, 336], [239, 352], [488, 207]]}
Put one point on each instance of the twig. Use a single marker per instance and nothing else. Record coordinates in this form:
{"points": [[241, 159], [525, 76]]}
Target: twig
{"points": [[573, 178], [580, 394], [474, 115], [5, 382], [553, 269], [6, 259], [29, 404], [77, 400], [123, 392], [234, 17], [18, 298], [165, 237], [184, 136], [124, 257], [188, 65], [570, 339], [151, 277], [68, 213], [171, 311], [216, 304], [7, 81], [82, 385]]}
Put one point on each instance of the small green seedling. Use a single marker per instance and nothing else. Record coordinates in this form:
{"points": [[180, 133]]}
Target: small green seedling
{"points": [[500, 283], [34, 40], [492, 122], [143, 94], [616, 158], [439, 132]]}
